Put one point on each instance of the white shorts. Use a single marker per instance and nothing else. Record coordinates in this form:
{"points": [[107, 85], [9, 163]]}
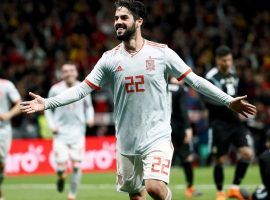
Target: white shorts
{"points": [[5, 142], [63, 152], [133, 170]]}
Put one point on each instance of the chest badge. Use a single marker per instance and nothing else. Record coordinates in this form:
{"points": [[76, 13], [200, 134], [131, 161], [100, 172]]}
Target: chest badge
{"points": [[150, 64]]}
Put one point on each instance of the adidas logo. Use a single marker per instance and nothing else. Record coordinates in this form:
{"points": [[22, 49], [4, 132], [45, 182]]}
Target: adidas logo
{"points": [[119, 69]]}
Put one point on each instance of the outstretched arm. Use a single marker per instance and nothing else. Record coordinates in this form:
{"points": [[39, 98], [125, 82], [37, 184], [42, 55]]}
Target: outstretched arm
{"points": [[69, 96], [208, 89], [15, 110]]}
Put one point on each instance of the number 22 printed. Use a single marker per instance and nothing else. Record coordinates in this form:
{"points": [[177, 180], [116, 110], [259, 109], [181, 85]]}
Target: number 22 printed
{"points": [[134, 83], [160, 165]]}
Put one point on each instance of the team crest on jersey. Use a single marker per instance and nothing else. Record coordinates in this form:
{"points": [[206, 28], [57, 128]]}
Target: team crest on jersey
{"points": [[150, 64]]}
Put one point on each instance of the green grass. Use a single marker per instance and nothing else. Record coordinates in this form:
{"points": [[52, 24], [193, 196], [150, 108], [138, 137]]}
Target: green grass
{"points": [[102, 186]]}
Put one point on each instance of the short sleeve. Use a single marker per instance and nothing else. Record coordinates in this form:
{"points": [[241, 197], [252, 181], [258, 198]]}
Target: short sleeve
{"points": [[175, 66], [97, 77], [13, 93]]}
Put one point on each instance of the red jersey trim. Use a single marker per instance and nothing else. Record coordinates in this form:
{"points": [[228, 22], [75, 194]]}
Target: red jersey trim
{"points": [[155, 44], [184, 75], [95, 87]]}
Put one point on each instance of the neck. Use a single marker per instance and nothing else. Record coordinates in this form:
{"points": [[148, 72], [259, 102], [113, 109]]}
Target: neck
{"points": [[134, 44], [70, 84]]}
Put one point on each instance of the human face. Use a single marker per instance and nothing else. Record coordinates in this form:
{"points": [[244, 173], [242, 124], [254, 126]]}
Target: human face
{"points": [[124, 24], [69, 73], [224, 63]]}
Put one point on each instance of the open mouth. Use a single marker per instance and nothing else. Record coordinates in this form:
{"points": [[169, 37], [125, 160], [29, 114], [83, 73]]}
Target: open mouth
{"points": [[120, 27], [120, 30]]}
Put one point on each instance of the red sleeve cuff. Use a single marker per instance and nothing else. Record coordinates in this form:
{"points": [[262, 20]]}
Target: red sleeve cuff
{"points": [[95, 87], [184, 75]]}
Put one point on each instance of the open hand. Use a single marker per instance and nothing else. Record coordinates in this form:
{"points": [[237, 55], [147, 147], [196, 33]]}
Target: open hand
{"points": [[240, 106], [35, 105]]}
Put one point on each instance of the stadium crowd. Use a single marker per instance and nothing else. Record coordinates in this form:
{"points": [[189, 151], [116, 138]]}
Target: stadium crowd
{"points": [[40, 36]]}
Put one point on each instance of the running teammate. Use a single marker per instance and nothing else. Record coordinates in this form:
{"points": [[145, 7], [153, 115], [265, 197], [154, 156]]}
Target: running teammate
{"points": [[9, 107], [68, 124], [226, 128], [136, 71]]}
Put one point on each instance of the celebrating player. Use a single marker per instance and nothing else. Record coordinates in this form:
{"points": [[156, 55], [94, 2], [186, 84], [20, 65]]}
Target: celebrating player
{"points": [[182, 134], [136, 71], [68, 124], [226, 127], [8, 95]]}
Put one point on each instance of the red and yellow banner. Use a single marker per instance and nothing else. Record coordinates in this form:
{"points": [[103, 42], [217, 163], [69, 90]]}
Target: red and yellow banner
{"points": [[35, 156]]}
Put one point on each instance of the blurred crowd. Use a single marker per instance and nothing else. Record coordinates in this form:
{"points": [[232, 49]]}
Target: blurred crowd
{"points": [[37, 37]]}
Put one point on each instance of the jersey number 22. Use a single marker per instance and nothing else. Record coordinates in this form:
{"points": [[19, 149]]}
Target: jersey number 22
{"points": [[134, 83]]}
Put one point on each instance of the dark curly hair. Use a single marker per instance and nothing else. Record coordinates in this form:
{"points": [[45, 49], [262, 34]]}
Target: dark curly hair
{"points": [[136, 8]]}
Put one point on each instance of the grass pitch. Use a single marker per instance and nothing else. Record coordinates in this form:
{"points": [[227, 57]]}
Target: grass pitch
{"points": [[102, 186]]}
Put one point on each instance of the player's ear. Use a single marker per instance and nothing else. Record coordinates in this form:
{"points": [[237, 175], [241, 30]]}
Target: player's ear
{"points": [[139, 21]]}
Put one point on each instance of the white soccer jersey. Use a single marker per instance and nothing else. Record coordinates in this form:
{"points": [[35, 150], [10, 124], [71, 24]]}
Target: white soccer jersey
{"points": [[139, 83], [8, 95], [70, 120]]}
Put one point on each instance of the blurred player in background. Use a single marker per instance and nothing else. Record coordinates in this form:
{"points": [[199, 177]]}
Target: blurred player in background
{"points": [[226, 128], [137, 72], [9, 107], [182, 134], [68, 124], [263, 193]]}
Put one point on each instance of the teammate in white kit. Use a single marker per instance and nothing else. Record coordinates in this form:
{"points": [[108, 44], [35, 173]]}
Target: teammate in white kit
{"points": [[9, 107], [68, 124], [137, 73]]}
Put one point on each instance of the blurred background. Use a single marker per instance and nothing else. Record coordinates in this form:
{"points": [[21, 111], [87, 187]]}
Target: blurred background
{"points": [[38, 37]]}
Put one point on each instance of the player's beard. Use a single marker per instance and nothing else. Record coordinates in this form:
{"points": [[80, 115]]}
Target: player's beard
{"points": [[128, 34]]}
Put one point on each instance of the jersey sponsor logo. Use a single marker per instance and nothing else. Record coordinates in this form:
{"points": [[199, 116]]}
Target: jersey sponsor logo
{"points": [[150, 64], [119, 69]]}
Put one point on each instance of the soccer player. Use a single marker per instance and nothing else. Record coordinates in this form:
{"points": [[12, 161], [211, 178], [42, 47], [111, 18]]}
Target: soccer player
{"points": [[136, 71], [9, 107], [226, 127], [68, 124], [264, 164], [182, 134]]}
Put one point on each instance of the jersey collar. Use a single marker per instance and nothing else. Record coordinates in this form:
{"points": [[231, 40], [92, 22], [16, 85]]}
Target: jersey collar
{"points": [[135, 53]]}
